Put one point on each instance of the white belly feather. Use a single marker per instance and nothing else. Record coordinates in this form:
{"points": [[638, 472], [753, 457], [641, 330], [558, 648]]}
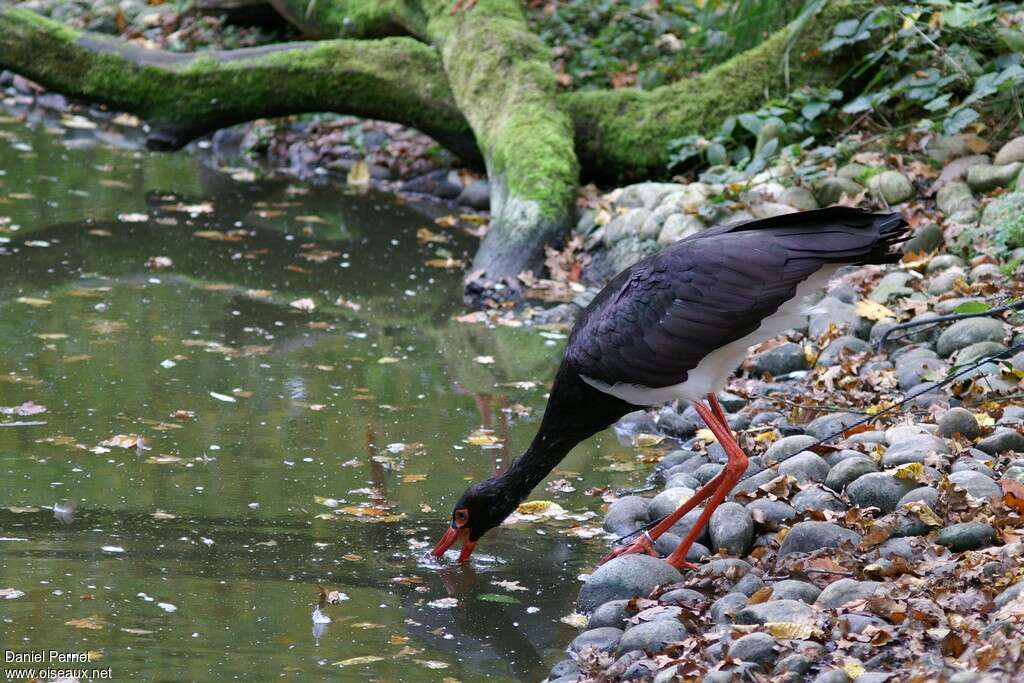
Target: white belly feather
{"points": [[715, 369]]}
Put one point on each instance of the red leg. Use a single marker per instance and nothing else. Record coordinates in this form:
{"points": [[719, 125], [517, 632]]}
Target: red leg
{"points": [[645, 543], [734, 469]]}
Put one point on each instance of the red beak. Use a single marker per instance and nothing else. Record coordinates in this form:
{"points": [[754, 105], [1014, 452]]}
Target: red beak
{"points": [[448, 540]]}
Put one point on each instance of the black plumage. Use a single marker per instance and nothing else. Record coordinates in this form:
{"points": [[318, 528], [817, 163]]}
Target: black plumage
{"points": [[654, 323]]}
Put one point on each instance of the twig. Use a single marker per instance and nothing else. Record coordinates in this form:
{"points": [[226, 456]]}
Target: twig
{"points": [[1017, 305]]}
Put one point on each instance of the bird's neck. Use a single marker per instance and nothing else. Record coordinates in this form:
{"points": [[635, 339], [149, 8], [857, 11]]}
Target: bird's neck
{"points": [[575, 411]]}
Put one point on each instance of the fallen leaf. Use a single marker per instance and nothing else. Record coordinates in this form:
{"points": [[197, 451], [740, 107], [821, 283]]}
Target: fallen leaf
{"points": [[544, 508], [356, 661], [306, 305], [33, 301], [872, 310], [94, 623], [359, 174], [575, 619], [123, 441]]}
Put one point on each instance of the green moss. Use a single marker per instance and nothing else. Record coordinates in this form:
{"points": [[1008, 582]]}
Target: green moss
{"points": [[353, 18], [622, 130]]}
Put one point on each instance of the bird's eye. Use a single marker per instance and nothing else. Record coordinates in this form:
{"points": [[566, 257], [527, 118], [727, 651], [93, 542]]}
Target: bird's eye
{"points": [[461, 517]]}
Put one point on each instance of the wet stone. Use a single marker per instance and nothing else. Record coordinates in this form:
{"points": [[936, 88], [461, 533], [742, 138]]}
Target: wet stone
{"points": [[967, 536], [977, 485], [724, 609], [652, 636], [566, 667], [785, 447], [806, 537], [917, 448], [623, 578], [776, 610], [805, 466], [627, 514], [880, 490], [831, 423], [846, 471], [771, 513], [755, 647], [963, 333], [683, 596], [604, 639], [923, 494], [818, 500], [840, 592], [791, 589], [611, 613], [959, 421], [748, 585], [732, 528], [779, 360], [972, 465], [1002, 440]]}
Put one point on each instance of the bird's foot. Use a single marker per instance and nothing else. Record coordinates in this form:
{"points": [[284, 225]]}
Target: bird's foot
{"points": [[641, 546], [682, 564]]}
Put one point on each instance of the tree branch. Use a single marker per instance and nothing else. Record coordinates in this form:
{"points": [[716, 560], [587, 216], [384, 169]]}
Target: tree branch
{"points": [[183, 96], [353, 18]]}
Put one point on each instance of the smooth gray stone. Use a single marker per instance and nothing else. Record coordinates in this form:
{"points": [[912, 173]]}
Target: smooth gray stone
{"points": [[977, 485], [896, 547], [776, 610], [683, 596], [972, 465], [806, 537], [915, 448], [834, 352], [624, 577], [604, 639], [805, 466], [840, 592], [748, 585], [959, 421], [963, 333], [611, 613], [787, 446], [880, 490], [830, 423], [779, 360], [774, 512], [755, 647], [566, 667], [846, 471], [967, 536], [627, 514], [925, 494], [1002, 440], [817, 499], [732, 528], [724, 609], [652, 636], [1008, 595], [791, 589]]}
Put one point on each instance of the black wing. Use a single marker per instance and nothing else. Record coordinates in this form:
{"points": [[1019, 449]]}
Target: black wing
{"points": [[655, 321]]}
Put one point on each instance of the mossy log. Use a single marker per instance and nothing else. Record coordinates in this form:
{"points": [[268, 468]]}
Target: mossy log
{"points": [[483, 87]]}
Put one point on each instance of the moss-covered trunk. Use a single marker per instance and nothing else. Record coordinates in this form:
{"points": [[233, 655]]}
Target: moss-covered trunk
{"points": [[502, 80]]}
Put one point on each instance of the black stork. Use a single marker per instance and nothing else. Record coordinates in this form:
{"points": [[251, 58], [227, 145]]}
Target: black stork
{"points": [[675, 326]]}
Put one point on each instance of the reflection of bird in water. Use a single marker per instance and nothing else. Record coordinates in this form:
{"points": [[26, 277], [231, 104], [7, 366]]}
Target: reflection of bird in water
{"points": [[675, 326]]}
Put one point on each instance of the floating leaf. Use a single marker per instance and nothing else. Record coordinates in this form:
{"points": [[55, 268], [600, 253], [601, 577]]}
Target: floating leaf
{"points": [[10, 593], [123, 441], [359, 174], [93, 623], [510, 585], [223, 397], [575, 619], [544, 508], [498, 597], [33, 301], [357, 661], [306, 305]]}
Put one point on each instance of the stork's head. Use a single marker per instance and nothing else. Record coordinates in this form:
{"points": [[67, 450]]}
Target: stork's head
{"points": [[483, 506]]}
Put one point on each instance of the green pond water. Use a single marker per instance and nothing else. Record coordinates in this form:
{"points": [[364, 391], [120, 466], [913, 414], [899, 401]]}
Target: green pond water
{"points": [[319, 448]]}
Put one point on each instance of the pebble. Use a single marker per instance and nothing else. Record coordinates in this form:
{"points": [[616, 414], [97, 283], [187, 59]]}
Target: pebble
{"points": [[840, 592], [669, 500], [679, 226], [963, 333], [831, 423], [959, 421], [724, 609], [924, 494], [1010, 152], [683, 596], [652, 636], [806, 537], [1002, 440], [793, 611], [627, 514], [848, 470], [566, 667], [604, 639], [880, 490], [967, 536], [916, 448], [843, 315], [779, 360], [771, 513], [818, 500], [758, 648], [1008, 595], [787, 446], [892, 186], [611, 613], [977, 485], [799, 198], [834, 676], [731, 528], [623, 578], [986, 177], [805, 466], [791, 589]]}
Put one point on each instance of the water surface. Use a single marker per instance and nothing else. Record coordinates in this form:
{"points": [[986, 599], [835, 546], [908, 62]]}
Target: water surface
{"points": [[282, 449]]}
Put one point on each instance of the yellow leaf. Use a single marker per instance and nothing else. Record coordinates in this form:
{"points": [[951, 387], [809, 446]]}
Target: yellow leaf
{"points": [[647, 440], [359, 175], [707, 435], [853, 668], [602, 217], [355, 661], [575, 620], [923, 512], [33, 302], [540, 507], [93, 623], [788, 630], [872, 310], [910, 470], [123, 441], [387, 359], [482, 439], [984, 419], [306, 305]]}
